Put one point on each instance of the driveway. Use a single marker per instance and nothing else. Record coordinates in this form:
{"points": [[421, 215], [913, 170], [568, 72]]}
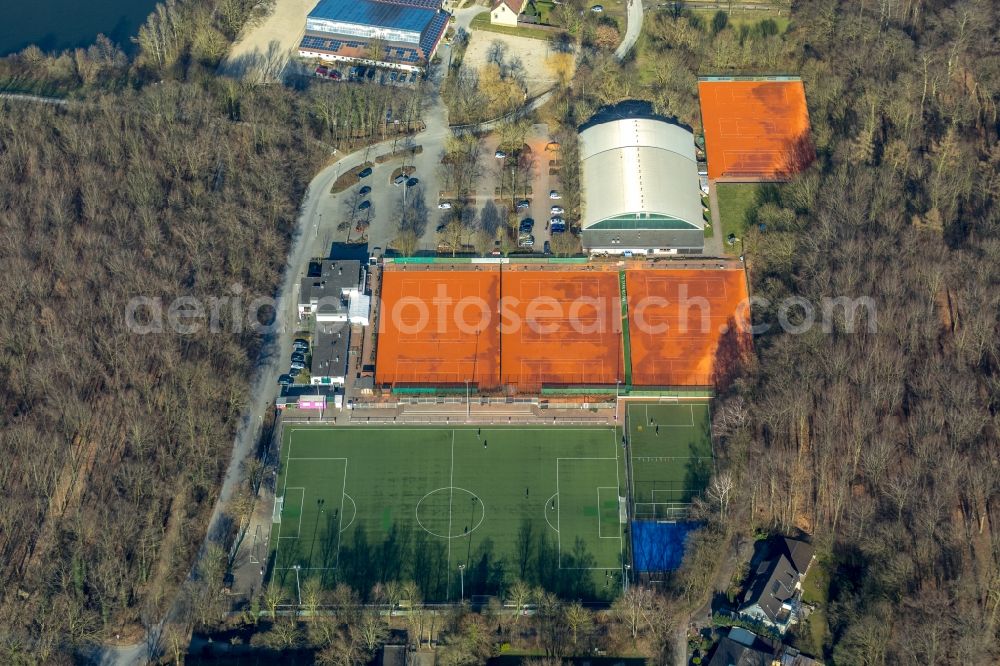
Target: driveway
{"points": [[632, 30]]}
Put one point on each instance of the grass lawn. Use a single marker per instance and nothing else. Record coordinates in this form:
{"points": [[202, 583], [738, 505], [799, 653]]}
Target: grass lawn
{"points": [[815, 587], [482, 22], [367, 504], [671, 451], [749, 18], [735, 201]]}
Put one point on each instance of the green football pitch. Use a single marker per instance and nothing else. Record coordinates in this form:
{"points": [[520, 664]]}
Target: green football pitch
{"points": [[670, 446], [455, 509]]}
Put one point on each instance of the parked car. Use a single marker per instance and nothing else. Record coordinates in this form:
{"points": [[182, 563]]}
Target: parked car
{"points": [[296, 365], [558, 228], [444, 205], [597, 9], [525, 241], [412, 181], [322, 71], [556, 210], [365, 205], [285, 380], [300, 342], [335, 75], [294, 372], [364, 190], [557, 220], [371, 74], [298, 358], [554, 194], [496, 249], [399, 180], [500, 155], [547, 248], [364, 173], [522, 204], [527, 224]]}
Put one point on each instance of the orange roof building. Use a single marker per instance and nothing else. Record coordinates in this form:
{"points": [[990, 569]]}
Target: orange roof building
{"points": [[755, 129]]}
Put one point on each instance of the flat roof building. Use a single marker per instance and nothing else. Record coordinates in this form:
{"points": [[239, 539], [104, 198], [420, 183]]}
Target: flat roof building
{"points": [[327, 294], [397, 34], [329, 354], [640, 188]]}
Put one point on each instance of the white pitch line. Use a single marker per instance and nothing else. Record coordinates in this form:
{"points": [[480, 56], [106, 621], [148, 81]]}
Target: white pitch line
{"points": [[340, 525], [451, 498]]}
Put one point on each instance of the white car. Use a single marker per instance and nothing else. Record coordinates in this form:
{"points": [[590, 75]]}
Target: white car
{"points": [[597, 9], [444, 205], [499, 154], [554, 194], [556, 210]]}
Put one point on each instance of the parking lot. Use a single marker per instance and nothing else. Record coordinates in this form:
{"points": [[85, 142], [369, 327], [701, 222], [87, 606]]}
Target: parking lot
{"points": [[540, 152], [342, 72]]}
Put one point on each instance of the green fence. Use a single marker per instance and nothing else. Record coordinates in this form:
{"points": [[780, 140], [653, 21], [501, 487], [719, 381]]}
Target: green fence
{"points": [[626, 340]]}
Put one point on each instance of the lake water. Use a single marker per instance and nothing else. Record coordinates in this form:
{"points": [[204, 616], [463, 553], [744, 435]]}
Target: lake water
{"points": [[55, 25]]}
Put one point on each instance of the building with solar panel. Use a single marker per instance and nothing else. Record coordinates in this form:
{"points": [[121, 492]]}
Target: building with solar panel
{"points": [[397, 34]]}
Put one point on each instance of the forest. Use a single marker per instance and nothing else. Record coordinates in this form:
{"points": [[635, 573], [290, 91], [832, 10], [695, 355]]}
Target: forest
{"points": [[161, 179]]}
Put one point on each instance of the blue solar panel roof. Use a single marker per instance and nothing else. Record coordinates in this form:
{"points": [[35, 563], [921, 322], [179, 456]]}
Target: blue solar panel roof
{"points": [[429, 38], [412, 15]]}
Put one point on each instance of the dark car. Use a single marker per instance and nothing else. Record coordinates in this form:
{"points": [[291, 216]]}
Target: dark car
{"points": [[298, 356], [364, 190], [547, 248], [364, 173], [300, 342], [371, 74], [335, 75], [365, 205], [522, 204], [285, 380], [527, 224], [411, 182]]}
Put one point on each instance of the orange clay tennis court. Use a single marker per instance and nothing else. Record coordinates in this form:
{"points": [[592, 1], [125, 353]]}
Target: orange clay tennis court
{"points": [[755, 130], [560, 327], [439, 327], [686, 326]]}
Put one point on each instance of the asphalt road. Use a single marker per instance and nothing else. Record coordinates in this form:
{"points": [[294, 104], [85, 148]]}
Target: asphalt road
{"points": [[632, 29]]}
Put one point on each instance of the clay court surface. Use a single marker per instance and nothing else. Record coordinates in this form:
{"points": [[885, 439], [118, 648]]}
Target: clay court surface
{"points": [[532, 327], [686, 326], [563, 328], [439, 327], [755, 130]]}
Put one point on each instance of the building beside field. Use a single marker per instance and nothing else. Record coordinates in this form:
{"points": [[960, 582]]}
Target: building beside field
{"points": [[775, 590], [639, 188], [329, 354], [397, 34], [333, 293]]}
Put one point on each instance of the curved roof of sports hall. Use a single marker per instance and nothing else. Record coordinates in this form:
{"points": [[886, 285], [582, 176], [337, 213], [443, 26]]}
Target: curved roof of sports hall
{"points": [[639, 173]]}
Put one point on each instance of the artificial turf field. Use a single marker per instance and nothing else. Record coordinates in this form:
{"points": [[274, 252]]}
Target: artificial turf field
{"points": [[670, 446], [363, 505]]}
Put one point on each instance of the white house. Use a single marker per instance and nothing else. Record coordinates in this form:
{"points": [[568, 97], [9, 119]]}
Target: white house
{"points": [[505, 12]]}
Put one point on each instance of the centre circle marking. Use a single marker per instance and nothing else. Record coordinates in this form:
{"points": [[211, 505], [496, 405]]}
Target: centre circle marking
{"points": [[482, 515]]}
